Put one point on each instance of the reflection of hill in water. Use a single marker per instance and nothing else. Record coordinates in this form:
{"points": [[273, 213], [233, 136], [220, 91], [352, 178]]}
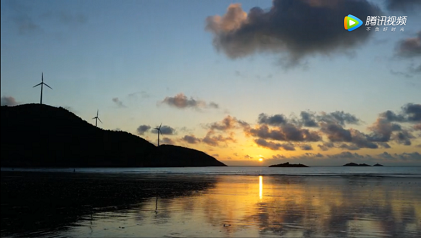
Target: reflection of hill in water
{"points": [[40, 202], [223, 206]]}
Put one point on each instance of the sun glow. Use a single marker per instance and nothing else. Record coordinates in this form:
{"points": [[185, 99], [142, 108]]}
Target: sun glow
{"points": [[260, 159]]}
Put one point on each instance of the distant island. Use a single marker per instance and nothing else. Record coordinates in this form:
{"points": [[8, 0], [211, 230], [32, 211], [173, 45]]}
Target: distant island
{"points": [[354, 164], [378, 164], [287, 164], [37, 135]]}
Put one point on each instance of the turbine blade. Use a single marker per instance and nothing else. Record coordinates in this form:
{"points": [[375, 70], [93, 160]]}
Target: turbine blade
{"points": [[47, 85], [37, 85], [99, 120], [94, 118]]}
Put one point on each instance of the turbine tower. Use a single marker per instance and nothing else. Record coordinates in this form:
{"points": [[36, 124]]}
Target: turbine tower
{"points": [[97, 118], [42, 84], [159, 131]]}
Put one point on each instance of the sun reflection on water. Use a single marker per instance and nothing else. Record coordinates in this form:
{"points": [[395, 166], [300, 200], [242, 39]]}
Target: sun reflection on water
{"points": [[260, 187]]}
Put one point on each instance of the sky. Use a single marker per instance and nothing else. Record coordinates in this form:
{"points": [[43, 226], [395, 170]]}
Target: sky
{"points": [[252, 83]]}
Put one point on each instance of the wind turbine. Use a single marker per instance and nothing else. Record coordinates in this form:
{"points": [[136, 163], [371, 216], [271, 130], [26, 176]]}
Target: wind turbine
{"points": [[159, 131], [42, 84], [97, 118]]}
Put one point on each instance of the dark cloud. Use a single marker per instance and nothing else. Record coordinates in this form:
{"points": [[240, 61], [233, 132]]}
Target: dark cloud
{"points": [[412, 112], [142, 129], [191, 139], [226, 124], [287, 132], [348, 147], [404, 156], [215, 140], [403, 137], [167, 140], [297, 28], [391, 116], [273, 145], [386, 127], [308, 119], [336, 133], [326, 146], [182, 101], [118, 102], [403, 5], [410, 47], [339, 117], [165, 130], [8, 101], [306, 147], [383, 145], [274, 120]]}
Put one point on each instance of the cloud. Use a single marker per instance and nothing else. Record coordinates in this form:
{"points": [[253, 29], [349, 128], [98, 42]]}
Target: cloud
{"points": [[136, 95], [118, 102], [214, 140], [8, 101], [287, 132], [227, 123], [306, 147], [410, 47], [417, 127], [296, 28], [274, 120], [274, 146], [308, 119], [165, 130], [27, 21], [181, 101], [167, 140], [339, 117], [387, 127], [412, 112], [191, 139], [142, 129], [403, 5], [326, 146]]}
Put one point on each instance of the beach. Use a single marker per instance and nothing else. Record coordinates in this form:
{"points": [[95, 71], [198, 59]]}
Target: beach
{"points": [[57, 204]]}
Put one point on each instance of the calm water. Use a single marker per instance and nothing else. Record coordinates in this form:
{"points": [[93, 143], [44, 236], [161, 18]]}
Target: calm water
{"points": [[322, 171], [213, 202]]}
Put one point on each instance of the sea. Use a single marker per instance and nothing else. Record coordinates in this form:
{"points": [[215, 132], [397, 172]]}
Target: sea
{"points": [[211, 202], [384, 171]]}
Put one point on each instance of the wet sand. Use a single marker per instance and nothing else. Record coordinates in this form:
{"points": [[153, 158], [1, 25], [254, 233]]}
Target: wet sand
{"points": [[133, 205]]}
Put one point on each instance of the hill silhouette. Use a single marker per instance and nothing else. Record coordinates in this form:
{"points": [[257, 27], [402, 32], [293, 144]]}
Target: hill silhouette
{"points": [[37, 135]]}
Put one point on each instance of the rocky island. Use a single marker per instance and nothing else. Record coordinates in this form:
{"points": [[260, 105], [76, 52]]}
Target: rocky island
{"points": [[37, 135], [287, 164], [354, 164]]}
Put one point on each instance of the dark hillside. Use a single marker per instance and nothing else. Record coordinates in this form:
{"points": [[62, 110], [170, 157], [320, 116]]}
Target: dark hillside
{"points": [[36, 135]]}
